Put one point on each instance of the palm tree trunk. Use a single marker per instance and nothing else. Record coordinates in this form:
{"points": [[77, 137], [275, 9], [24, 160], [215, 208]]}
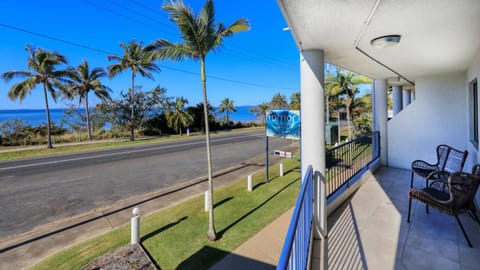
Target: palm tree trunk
{"points": [[348, 101], [212, 235], [88, 118], [328, 111], [132, 116], [47, 110]]}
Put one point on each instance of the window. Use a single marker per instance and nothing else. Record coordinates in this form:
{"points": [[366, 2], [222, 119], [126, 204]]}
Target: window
{"points": [[473, 97]]}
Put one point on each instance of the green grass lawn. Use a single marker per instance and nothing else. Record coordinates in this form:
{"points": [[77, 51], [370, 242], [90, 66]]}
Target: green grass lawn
{"points": [[21, 152], [176, 237]]}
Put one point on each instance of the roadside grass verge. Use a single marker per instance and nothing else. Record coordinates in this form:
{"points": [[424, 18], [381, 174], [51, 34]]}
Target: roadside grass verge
{"points": [[176, 237], [24, 152]]}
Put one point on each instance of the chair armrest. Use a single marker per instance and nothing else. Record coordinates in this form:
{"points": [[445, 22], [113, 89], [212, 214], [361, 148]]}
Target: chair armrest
{"points": [[438, 175], [457, 179], [438, 180], [420, 164]]}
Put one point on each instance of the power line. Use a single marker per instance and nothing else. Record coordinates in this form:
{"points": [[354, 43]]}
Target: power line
{"points": [[145, 7], [54, 38], [119, 14], [108, 53], [141, 14], [239, 50]]}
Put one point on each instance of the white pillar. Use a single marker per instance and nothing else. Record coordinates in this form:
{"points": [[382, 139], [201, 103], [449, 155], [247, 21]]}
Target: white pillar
{"points": [[412, 95], [406, 98], [380, 116], [313, 131], [135, 227], [249, 183], [397, 99]]}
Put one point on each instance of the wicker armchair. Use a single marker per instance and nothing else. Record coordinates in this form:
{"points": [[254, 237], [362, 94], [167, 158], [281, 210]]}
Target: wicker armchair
{"points": [[458, 199], [449, 160]]}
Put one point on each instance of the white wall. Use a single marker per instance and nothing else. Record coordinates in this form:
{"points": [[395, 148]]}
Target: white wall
{"points": [[473, 72], [439, 115]]}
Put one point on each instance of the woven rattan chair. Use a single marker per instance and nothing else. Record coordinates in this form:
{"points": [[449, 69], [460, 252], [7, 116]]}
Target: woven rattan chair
{"points": [[456, 200], [449, 160]]}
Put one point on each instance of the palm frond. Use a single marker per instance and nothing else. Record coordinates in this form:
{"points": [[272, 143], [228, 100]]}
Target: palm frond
{"points": [[115, 69], [7, 76], [21, 89], [164, 49]]}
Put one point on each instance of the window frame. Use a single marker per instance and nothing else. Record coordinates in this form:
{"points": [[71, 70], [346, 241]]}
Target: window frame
{"points": [[473, 111]]}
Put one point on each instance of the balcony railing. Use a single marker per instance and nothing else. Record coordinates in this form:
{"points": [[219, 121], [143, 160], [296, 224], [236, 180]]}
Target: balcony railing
{"points": [[347, 160], [342, 164], [296, 247]]}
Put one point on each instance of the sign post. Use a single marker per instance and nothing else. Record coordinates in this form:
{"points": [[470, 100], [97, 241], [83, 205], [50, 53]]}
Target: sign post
{"points": [[266, 160], [283, 124]]}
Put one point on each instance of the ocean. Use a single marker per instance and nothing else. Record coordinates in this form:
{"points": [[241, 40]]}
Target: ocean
{"points": [[38, 117]]}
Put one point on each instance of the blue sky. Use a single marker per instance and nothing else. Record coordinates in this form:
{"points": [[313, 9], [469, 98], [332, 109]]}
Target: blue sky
{"points": [[265, 56]]}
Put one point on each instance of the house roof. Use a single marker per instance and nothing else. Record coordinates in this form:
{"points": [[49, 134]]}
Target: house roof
{"points": [[437, 36]]}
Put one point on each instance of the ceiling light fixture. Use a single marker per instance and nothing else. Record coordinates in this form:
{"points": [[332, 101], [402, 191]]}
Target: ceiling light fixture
{"points": [[385, 41]]}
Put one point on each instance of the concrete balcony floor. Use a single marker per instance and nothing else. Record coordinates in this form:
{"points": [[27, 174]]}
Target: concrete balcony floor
{"points": [[370, 231]]}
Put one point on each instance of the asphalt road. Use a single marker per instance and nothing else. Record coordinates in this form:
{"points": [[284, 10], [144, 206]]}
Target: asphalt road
{"points": [[40, 190]]}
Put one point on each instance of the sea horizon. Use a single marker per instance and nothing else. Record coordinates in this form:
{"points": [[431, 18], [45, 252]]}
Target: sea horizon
{"points": [[37, 117]]}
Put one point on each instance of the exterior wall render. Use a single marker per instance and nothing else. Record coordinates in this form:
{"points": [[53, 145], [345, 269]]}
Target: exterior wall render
{"points": [[397, 99], [473, 73], [438, 115]]}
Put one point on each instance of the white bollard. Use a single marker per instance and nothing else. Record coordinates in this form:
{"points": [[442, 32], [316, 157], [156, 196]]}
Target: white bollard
{"points": [[281, 169], [249, 183], [206, 201], [135, 228]]}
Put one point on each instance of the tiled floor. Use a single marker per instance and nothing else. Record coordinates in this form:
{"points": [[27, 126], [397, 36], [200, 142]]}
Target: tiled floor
{"points": [[370, 230]]}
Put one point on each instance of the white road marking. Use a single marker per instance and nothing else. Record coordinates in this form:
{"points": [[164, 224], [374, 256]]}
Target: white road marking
{"points": [[109, 155]]}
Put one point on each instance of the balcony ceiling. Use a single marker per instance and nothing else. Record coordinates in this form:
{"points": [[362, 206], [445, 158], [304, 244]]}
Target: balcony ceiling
{"points": [[438, 36]]}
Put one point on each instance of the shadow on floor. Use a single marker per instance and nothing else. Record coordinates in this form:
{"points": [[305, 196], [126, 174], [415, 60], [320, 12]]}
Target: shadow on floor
{"points": [[162, 229], [222, 232], [207, 256]]}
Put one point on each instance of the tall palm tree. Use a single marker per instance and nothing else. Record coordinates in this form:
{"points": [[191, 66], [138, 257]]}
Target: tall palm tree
{"points": [[279, 101], [226, 105], [261, 111], [43, 72], [138, 60], [200, 35], [295, 101], [346, 84], [84, 80], [178, 117]]}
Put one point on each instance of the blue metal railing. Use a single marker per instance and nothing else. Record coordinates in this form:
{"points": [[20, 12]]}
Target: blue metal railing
{"points": [[343, 163], [296, 247]]}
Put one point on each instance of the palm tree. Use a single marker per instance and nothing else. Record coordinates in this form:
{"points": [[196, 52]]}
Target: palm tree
{"points": [[346, 84], [178, 117], [261, 111], [200, 35], [226, 105], [295, 101], [84, 80], [43, 71], [279, 101], [138, 60]]}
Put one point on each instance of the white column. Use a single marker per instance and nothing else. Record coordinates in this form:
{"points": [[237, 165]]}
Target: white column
{"points": [[397, 99], [380, 116], [412, 96], [406, 98], [313, 131]]}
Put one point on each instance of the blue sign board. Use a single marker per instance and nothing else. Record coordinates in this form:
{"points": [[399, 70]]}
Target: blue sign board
{"points": [[284, 124]]}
